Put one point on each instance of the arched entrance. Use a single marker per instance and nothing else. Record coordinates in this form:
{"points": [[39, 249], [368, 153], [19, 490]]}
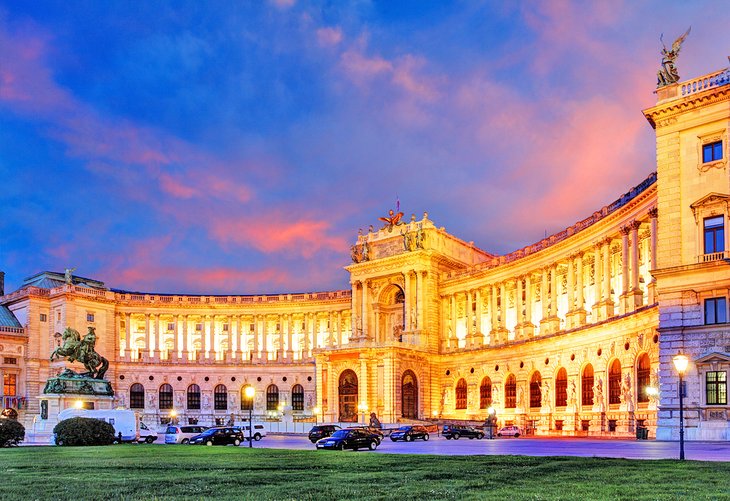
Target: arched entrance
{"points": [[348, 396], [409, 395]]}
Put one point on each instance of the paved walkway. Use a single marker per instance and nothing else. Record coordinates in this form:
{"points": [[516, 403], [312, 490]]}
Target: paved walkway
{"points": [[586, 447]]}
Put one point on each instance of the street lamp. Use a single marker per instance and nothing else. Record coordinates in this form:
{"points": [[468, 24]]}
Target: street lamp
{"points": [[249, 392], [173, 416], [363, 408], [316, 412], [491, 421], [680, 363]]}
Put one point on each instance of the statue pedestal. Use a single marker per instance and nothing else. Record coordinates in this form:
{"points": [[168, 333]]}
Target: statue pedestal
{"points": [[40, 430]]}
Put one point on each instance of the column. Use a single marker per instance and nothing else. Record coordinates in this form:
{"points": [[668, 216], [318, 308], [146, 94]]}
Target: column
{"points": [[597, 281], [229, 338], [338, 328], [478, 313], [502, 306], [289, 338], [356, 302], [265, 338], [607, 271], [494, 333], [580, 312], [185, 351], [571, 283], [469, 318], [637, 295], [625, 277], [419, 300], [363, 385], [204, 339], [544, 296], [158, 338], [407, 295], [256, 332], [528, 329], [236, 329], [453, 340], [128, 332], [147, 337], [176, 339], [307, 321], [653, 214], [364, 316], [554, 291], [519, 308]]}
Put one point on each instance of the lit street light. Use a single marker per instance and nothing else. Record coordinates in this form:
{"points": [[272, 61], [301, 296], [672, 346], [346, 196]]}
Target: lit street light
{"points": [[249, 392], [680, 363], [316, 412], [363, 408]]}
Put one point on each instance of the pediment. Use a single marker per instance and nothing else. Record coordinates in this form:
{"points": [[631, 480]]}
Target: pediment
{"points": [[710, 199], [714, 356]]}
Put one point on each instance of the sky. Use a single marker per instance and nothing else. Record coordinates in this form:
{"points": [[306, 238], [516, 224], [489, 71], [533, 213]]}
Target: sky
{"points": [[237, 147]]}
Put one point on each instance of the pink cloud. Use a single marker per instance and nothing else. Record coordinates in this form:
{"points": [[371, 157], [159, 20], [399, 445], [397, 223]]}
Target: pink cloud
{"points": [[329, 37]]}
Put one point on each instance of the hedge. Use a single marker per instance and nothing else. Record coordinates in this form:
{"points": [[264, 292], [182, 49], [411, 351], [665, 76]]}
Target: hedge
{"points": [[11, 432], [84, 431]]}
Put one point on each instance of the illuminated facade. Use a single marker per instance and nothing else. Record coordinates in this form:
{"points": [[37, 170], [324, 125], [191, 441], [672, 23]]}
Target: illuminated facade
{"points": [[562, 337]]}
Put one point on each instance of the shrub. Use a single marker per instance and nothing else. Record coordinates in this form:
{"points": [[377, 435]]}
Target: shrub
{"points": [[83, 431], [11, 432]]}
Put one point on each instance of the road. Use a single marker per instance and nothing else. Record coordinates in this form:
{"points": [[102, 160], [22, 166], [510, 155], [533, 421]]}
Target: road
{"points": [[630, 449]]}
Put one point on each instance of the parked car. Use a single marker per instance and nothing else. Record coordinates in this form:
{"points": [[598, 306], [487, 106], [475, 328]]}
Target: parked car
{"points": [[348, 439], [219, 436], [377, 433], [409, 433], [509, 431], [259, 431], [450, 431], [175, 434], [322, 431]]}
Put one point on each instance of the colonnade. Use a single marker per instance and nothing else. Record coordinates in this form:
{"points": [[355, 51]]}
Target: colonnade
{"points": [[280, 337], [587, 285]]}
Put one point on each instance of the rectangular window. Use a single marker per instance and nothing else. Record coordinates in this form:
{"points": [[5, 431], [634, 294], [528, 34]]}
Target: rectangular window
{"points": [[10, 360], [89, 317], [558, 424], [712, 152], [612, 425], [225, 327], [716, 387], [715, 310], [198, 327], [171, 326], [714, 234], [10, 385], [44, 317]]}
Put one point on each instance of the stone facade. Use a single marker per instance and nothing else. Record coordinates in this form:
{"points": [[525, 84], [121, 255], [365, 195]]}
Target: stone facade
{"points": [[562, 337]]}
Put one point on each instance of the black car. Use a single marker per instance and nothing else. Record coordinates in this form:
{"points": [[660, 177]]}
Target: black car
{"points": [[348, 439], [322, 431], [409, 433], [450, 431], [219, 436], [376, 433]]}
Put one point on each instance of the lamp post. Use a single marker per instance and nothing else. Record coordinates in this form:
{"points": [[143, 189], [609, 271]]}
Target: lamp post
{"points": [[173, 416], [680, 363], [490, 420], [316, 411], [363, 408], [250, 392]]}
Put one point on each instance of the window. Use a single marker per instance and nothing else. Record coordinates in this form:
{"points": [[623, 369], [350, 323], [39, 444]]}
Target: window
{"points": [[535, 390], [587, 386], [136, 396], [246, 403], [461, 394], [614, 383], [171, 326], [220, 398], [165, 396], [510, 392], [561, 388], [715, 310], [716, 387], [712, 152], [194, 397], [643, 372], [89, 317], [297, 397], [485, 393], [225, 327], [10, 385], [714, 234], [198, 327], [10, 360], [44, 317], [272, 398]]}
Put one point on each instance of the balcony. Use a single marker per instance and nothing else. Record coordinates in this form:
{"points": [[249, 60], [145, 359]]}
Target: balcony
{"points": [[713, 256]]}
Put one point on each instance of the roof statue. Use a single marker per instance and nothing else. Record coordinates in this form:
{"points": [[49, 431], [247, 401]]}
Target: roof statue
{"points": [[393, 218], [668, 73], [68, 275]]}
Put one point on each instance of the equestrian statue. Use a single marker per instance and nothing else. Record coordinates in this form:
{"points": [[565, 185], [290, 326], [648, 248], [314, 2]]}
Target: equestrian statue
{"points": [[82, 350]]}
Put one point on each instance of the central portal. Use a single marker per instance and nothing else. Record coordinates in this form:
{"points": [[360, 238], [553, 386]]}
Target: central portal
{"points": [[348, 396], [409, 395]]}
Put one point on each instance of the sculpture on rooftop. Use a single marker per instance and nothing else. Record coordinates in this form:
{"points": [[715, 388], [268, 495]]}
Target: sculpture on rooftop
{"points": [[68, 275], [668, 73], [76, 349]]}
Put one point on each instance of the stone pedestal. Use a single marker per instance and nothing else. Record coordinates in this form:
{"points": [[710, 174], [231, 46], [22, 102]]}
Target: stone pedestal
{"points": [[40, 431], [549, 325], [575, 318], [603, 310], [598, 423]]}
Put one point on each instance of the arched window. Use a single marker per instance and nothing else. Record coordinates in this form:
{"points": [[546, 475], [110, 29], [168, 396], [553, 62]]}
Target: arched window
{"points": [[536, 390], [220, 398], [194, 397], [643, 372], [136, 396], [510, 392], [246, 403], [561, 388], [272, 398], [297, 397], [587, 386], [614, 383], [485, 393], [165, 396], [409, 395], [461, 394]]}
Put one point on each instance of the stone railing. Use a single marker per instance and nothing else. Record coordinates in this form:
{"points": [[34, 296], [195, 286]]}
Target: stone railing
{"points": [[11, 330], [713, 256], [180, 300], [717, 79]]}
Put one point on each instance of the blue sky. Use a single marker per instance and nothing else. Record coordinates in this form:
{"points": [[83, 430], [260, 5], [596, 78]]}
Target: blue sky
{"points": [[231, 147]]}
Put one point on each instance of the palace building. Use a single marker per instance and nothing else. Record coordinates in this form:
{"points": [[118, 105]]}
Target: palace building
{"points": [[573, 335]]}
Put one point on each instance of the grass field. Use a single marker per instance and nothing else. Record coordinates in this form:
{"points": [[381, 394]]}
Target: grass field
{"points": [[189, 472]]}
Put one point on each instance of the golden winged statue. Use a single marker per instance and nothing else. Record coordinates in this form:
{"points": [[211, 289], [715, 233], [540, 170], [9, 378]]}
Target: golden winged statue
{"points": [[668, 73]]}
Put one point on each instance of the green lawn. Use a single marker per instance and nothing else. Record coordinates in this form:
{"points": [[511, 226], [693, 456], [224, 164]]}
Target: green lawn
{"points": [[189, 472]]}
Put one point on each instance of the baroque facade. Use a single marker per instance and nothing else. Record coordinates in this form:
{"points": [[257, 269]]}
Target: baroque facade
{"points": [[573, 335]]}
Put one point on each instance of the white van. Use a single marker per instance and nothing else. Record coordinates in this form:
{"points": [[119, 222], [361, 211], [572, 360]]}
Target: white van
{"points": [[176, 434], [123, 421]]}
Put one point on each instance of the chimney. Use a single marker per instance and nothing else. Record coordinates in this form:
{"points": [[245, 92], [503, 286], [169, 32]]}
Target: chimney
{"points": [[2, 283]]}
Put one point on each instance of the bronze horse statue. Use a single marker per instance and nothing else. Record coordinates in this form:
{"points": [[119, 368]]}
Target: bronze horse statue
{"points": [[76, 349]]}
